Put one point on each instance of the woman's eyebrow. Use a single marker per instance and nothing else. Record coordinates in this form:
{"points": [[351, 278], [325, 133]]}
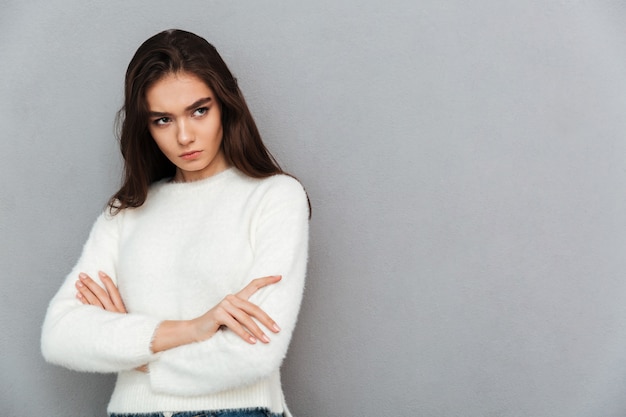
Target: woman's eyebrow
{"points": [[192, 106], [198, 103]]}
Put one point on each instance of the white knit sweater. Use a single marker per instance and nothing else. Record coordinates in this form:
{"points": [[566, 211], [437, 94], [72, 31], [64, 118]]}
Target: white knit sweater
{"points": [[173, 258]]}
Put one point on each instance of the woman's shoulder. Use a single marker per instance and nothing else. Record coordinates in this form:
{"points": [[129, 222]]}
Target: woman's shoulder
{"points": [[107, 223], [281, 185], [284, 181], [284, 192]]}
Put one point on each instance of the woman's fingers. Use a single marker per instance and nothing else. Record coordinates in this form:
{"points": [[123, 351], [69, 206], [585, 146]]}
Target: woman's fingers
{"points": [[225, 318], [240, 315], [257, 284], [89, 292], [253, 310], [85, 294], [113, 292], [244, 311]]}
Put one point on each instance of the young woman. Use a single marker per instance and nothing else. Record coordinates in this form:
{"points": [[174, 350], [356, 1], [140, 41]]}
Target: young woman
{"points": [[200, 256]]}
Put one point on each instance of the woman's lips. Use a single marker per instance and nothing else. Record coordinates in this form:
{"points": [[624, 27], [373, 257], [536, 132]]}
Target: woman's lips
{"points": [[190, 155]]}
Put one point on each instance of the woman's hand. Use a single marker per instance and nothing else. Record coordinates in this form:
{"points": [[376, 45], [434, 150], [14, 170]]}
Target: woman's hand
{"points": [[237, 313], [107, 298], [234, 312]]}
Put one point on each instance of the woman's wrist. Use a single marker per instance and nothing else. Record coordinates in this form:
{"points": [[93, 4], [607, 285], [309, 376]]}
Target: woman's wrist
{"points": [[173, 333], [202, 328]]}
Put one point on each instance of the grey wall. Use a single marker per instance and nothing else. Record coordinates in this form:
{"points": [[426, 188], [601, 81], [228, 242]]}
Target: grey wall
{"points": [[466, 163]]}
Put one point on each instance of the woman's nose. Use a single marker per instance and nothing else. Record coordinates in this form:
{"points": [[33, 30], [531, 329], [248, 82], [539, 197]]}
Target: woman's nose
{"points": [[185, 133]]}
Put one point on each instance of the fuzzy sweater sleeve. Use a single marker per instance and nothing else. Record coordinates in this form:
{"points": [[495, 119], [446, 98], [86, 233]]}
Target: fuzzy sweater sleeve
{"points": [[280, 242], [88, 338]]}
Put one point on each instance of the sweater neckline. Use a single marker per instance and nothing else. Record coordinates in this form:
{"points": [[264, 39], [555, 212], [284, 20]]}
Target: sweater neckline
{"points": [[167, 183]]}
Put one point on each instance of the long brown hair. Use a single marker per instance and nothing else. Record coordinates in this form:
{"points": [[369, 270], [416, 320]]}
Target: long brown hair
{"points": [[174, 51]]}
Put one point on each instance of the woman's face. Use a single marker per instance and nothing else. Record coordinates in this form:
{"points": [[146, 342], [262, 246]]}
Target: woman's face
{"points": [[185, 121]]}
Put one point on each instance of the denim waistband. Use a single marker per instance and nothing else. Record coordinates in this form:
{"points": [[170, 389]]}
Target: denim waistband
{"points": [[254, 412]]}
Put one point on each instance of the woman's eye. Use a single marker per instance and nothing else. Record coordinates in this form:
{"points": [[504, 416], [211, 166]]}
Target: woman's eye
{"points": [[161, 121], [201, 111]]}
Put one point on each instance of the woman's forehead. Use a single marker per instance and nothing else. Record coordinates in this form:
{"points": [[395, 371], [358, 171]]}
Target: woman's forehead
{"points": [[177, 91]]}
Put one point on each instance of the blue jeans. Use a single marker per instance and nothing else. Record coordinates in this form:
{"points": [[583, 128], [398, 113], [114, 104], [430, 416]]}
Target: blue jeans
{"points": [[255, 412]]}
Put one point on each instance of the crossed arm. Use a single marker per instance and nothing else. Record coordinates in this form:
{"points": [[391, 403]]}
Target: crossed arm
{"points": [[235, 312]]}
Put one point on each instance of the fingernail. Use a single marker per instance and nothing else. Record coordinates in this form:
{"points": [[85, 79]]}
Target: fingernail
{"points": [[79, 295], [275, 327], [79, 284], [252, 339], [82, 275], [265, 339], [102, 274]]}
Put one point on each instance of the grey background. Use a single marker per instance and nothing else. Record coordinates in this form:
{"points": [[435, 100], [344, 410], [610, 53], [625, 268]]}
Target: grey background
{"points": [[466, 163]]}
